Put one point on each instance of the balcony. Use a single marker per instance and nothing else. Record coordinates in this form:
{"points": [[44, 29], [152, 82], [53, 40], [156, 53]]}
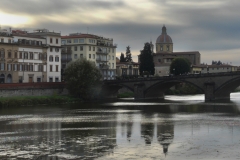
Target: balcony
{"points": [[102, 52], [66, 58], [103, 66], [101, 60]]}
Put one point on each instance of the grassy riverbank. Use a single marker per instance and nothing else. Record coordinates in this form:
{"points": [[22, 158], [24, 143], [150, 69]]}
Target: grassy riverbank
{"points": [[36, 100]]}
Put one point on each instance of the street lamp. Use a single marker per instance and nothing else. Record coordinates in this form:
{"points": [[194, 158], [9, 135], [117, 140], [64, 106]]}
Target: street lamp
{"points": [[174, 71]]}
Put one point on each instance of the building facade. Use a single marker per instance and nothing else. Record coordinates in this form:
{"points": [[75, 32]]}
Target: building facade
{"points": [[101, 51], [198, 69], [164, 54], [26, 57]]}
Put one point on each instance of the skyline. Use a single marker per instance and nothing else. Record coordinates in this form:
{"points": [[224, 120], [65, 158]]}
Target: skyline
{"points": [[210, 27]]}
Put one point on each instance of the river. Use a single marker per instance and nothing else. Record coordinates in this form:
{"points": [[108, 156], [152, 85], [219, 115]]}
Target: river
{"points": [[179, 127]]}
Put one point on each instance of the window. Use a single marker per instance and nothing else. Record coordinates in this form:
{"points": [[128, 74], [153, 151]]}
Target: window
{"points": [[108, 50], [50, 68], [40, 56], [45, 57], [56, 68], [2, 66], [15, 67], [63, 41], [25, 55], [75, 41], [51, 58], [9, 54], [69, 41], [51, 49], [161, 48], [75, 56], [93, 48], [2, 54], [9, 40], [89, 56], [2, 40], [50, 79], [81, 55], [112, 57], [40, 68], [56, 79], [20, 67], [26, 67], [81, 40], [30, 67], [9, 67], [93, 56], [56, 59], [56, 49], [75, 48], [15, 55], [50, 40], [91, 41], [89, 48], [109, 57], [112, 65], [81, 48], [113, 50], [56, 40], [167, 48], [20, 55], [31, 55]]}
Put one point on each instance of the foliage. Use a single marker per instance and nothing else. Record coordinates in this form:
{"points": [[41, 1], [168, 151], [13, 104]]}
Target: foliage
{"points": [[35, 100], [122, 58], [216, 62], [183, 89], [146, 60], [180, 66], [128, 55], [83, 79], [125, 95]]}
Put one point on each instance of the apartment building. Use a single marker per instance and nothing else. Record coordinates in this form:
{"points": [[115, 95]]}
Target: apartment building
{"points": [[101, 51], [53, 63], [29, 57]]}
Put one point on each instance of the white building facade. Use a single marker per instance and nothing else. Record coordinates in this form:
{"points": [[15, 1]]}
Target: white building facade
{"points": [[101, 51]]}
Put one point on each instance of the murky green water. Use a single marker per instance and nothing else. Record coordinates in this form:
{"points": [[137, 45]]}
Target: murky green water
{"points": [[180, 127]]}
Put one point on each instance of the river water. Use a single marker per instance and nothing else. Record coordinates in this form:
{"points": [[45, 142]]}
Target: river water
{"points": [[179, 127]]}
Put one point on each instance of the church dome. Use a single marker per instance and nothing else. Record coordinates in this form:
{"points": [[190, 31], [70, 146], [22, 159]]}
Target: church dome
{"points": [[164, 37]]}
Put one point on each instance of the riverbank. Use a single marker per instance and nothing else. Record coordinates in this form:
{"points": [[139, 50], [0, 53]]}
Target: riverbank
{"points": [[36, 100]]}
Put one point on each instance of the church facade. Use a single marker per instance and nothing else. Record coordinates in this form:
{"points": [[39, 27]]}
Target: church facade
{"points": [[164, 54]]}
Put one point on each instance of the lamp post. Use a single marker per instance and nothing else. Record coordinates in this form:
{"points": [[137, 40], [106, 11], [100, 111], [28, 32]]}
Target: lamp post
{"points": [[174, 71]]}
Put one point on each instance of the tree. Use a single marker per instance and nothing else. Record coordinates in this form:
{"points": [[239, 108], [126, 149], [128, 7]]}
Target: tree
{"points": [[122, 58], [180, 66], [83, 79], [128, 55], [146, 60]]}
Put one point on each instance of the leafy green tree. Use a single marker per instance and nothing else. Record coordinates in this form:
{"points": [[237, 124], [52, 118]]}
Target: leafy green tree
{"points": [[146, 60], [128, 55], [122, 58], [180, 66], [83, 79]]}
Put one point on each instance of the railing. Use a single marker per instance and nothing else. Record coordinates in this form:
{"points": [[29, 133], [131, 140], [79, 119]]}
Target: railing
{"points": [[101, 52], [102, 60]]}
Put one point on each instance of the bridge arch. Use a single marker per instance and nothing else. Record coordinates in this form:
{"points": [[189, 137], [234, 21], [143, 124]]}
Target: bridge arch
{"points": [[223, 91], [157, 90]]}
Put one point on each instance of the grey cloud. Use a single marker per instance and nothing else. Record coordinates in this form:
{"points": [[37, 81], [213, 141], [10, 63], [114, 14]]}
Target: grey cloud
{"points": [[46, 7]]}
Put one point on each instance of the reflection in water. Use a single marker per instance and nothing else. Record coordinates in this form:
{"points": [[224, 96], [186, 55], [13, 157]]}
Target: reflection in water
{"points": [[170, 129]]}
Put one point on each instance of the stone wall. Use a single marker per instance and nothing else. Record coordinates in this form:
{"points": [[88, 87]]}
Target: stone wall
{"points": [[32, 89], [32, 92]]}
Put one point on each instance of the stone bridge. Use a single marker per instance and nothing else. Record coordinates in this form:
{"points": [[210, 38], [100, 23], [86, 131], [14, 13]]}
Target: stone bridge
{"points": [[215, 86]]}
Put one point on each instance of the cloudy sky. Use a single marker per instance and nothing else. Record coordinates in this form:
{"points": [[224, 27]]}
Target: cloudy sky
{"points": [[211, 27]]}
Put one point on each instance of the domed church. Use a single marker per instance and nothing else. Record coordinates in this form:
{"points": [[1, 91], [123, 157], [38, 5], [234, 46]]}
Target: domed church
{"points": [[164, 54]]}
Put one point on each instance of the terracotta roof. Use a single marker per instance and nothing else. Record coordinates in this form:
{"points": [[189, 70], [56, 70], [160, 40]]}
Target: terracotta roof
{"points": [[164, 37]]}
